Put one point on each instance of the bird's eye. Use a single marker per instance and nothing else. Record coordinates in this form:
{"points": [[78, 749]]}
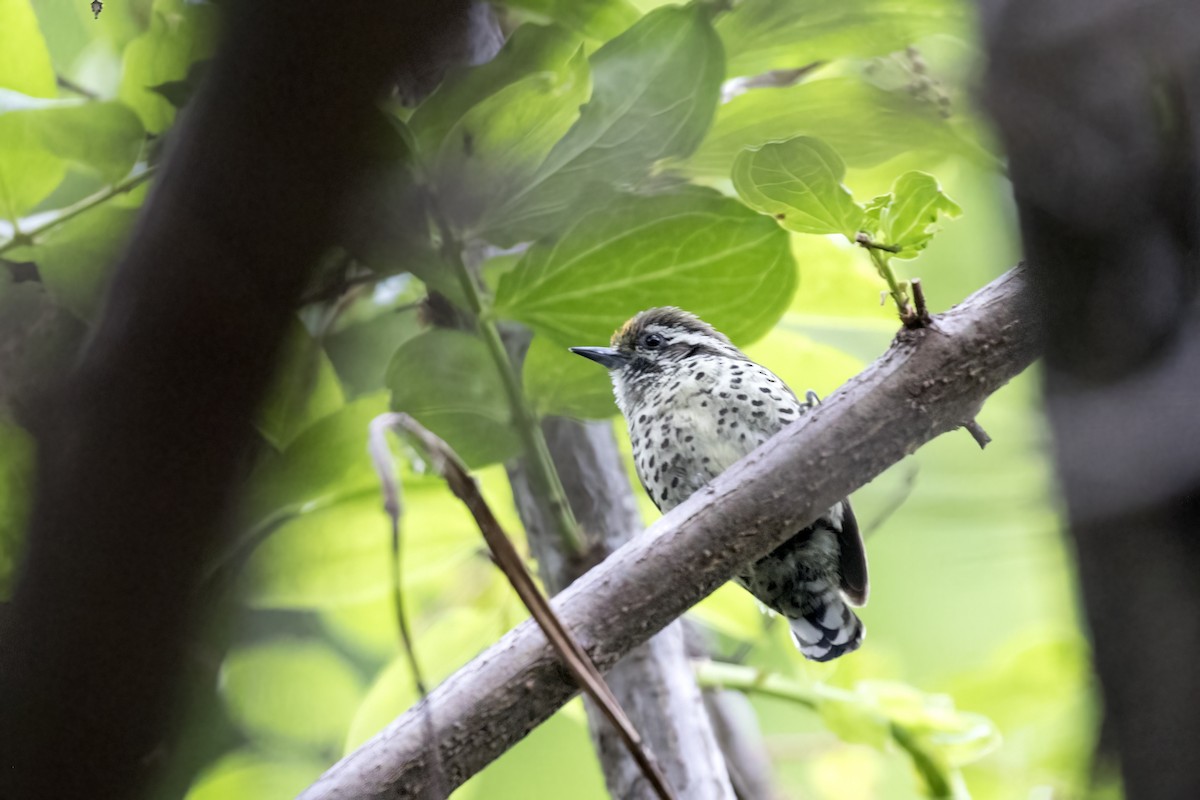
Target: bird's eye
{"points": [[652, 341]]}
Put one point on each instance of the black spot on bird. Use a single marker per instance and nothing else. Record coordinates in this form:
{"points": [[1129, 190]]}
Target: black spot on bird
{"points": [[674, 481], [663, 496], [741, 397], [757, 402], [699, 375], [764, 389]]}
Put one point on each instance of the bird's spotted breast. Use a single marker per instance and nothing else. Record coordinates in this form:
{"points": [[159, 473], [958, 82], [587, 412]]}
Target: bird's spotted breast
{"points": [[690, 429]]}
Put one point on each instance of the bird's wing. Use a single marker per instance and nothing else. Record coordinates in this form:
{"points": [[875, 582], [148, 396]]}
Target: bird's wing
{"points": [[852, 557]]}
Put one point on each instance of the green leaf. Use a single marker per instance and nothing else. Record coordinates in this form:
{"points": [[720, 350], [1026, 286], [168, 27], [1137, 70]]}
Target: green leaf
{"points": [[956, 737], [28, 171], [495, 149], [866, 125], [762, 35], [16, 489], [306, 389], [532, 49], [25, 64], [912, 217], [340, 554], [451, 641], [330, 555], [291, 693], [596, 19], [326, 464], [655, 90], [448, 381], [76, 259], [697, 250], [561, 383], [799, 182], [854, 720], [180, 33], [38, 134], [179, 92], [247, 775], [104, 137], [360, 351], [384, 223]]}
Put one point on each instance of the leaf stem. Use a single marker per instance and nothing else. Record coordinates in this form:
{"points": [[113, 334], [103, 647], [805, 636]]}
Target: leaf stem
{"points": [[22, 238], [876, 251], [545, 476], [715, 675]]}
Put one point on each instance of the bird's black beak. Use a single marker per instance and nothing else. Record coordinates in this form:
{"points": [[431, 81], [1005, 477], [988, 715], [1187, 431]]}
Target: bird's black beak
{"points": [[602, 355]]}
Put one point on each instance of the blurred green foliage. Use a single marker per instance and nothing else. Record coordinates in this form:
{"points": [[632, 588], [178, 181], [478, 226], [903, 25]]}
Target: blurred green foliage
{"points": [[598, 147]]}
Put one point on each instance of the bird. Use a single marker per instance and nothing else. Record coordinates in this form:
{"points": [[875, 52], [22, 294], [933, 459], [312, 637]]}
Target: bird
{"points": [[694, 404]]}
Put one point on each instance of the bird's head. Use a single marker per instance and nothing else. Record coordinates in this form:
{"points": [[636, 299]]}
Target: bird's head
{"points": [[657, 345]]}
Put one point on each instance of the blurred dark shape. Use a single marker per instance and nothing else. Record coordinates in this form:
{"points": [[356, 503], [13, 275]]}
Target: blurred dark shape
{"points": [[1098, 102], [138, 449]]}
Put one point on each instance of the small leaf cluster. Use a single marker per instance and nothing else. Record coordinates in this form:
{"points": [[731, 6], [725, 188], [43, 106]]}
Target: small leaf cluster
{"points": [[799, 182]]}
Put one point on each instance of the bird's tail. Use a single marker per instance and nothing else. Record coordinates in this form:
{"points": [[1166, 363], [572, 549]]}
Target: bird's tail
{"points": [[828, 629]]}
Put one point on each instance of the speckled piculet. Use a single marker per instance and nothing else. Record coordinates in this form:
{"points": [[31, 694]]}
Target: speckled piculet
{"points": [[695, 404]]}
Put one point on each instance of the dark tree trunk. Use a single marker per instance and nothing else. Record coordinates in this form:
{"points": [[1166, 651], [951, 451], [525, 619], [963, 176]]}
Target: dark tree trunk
{"points": [[1099, 107], [138, 451]]}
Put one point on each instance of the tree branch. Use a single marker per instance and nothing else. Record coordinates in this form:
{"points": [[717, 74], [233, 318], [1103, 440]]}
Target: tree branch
{"points": [[922, 387], [654, 683]]}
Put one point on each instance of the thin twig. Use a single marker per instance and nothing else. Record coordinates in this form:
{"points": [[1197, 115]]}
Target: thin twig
{"points": [[712, 674], [336, 288], [918, 292], [385, 468], [545, 476], [894, 503], [875, 249], [29, 237], [71, 86], [446, 462], [865, 241], [977, 433]]}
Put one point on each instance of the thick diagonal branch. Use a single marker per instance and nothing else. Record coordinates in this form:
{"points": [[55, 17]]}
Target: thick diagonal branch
{"points": [[926, 384], [655, 682]]}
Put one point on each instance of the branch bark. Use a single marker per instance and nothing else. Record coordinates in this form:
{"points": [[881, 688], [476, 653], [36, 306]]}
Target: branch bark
{"points": [[139, 451], [927, 382], [654, 683]]}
